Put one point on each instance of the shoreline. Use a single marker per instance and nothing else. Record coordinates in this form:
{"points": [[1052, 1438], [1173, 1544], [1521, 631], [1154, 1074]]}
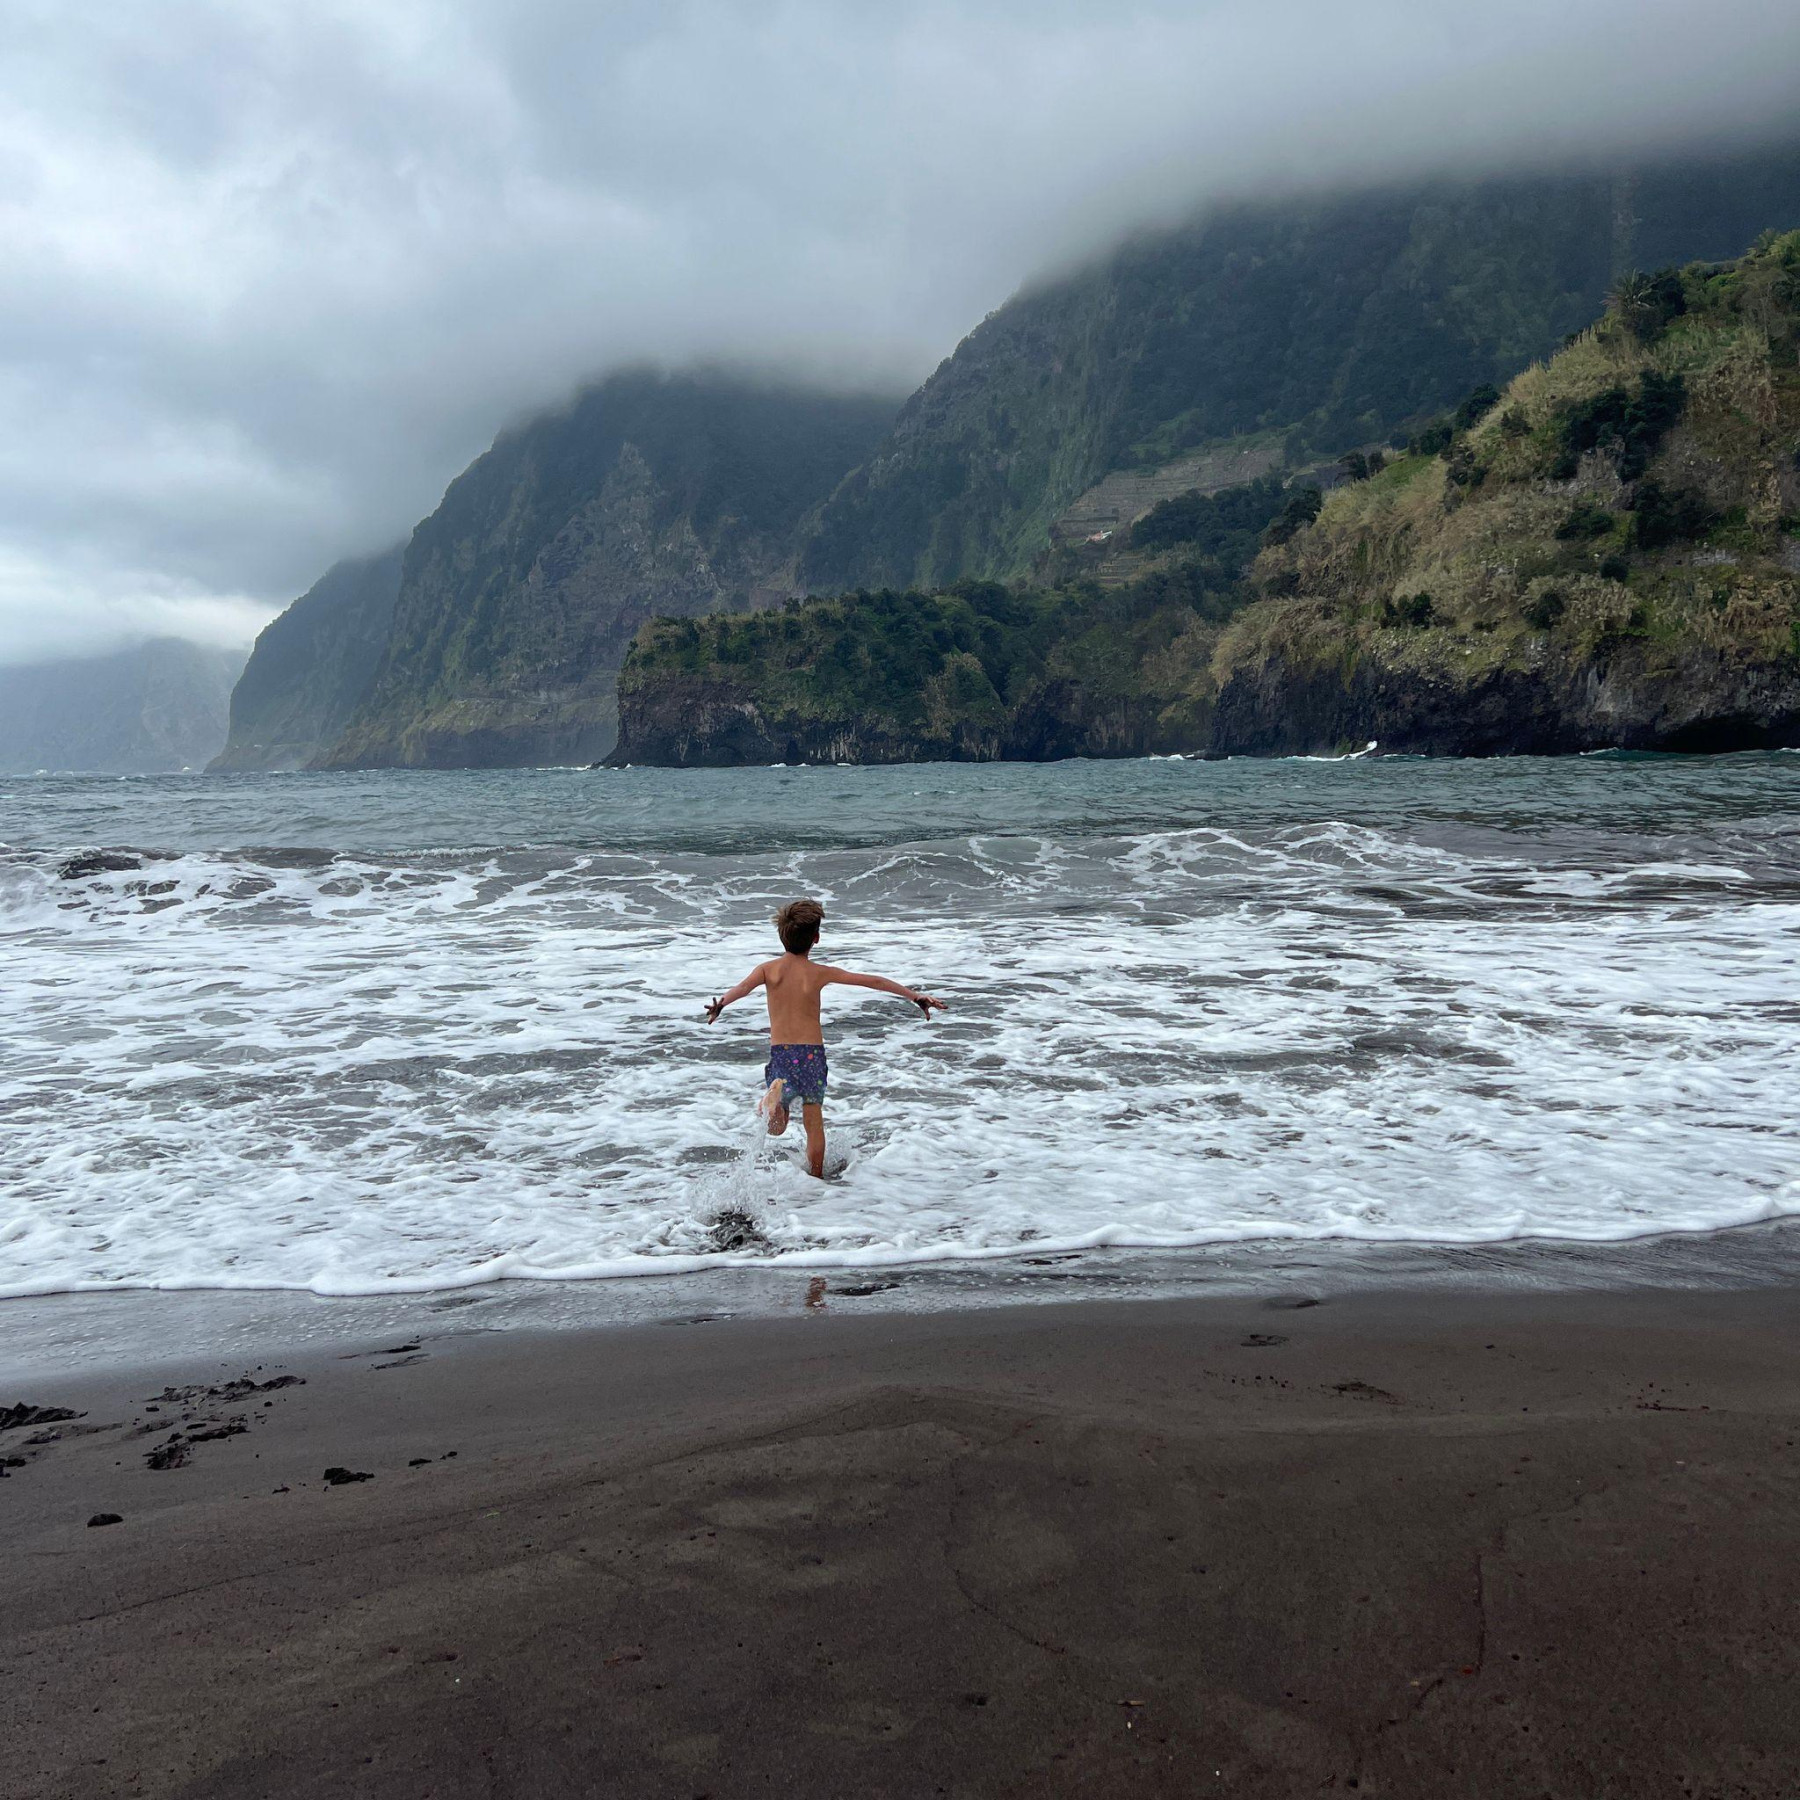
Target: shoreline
{"points": [[1478, 1540], [135, 1327]]}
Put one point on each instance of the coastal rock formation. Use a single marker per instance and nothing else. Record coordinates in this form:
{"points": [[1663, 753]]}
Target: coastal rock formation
{"points": [[312, 667], [1606, 554], [651, 494]]}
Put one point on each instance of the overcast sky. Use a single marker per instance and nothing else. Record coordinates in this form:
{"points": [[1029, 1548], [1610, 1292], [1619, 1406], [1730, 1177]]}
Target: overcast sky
{"points": [[270, 274]]}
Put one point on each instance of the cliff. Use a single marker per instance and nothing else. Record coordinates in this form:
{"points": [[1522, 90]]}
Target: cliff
{"points": [[651, 494], [1603, 554], [157, 707], [976, 672], [1608, 556], [1277, 333], [312, 667]]}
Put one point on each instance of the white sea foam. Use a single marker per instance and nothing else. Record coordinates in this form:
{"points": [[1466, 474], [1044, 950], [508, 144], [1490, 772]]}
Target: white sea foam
{"points": [[351, 1073]]}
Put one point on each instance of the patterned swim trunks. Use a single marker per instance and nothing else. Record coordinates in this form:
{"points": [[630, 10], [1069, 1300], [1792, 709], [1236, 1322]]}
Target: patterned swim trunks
{"points": [[801, 1070]]}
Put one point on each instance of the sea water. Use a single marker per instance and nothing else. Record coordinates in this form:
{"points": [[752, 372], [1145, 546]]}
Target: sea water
{"points": [[363, 1033]]}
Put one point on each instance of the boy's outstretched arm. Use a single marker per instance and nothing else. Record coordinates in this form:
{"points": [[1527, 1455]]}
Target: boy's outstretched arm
{"points": [[924, 1002], [748, 985]]}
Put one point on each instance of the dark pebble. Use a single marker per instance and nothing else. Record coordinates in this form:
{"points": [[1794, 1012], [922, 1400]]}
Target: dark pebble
{"points": [[105, 1519]]}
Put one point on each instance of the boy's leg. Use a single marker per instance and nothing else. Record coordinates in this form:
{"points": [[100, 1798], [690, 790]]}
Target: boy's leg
{"points": [[814, 1116], [773, 1105]]}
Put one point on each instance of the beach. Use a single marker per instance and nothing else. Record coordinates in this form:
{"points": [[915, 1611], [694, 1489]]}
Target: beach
{"points": [[1317, 1315], [1496, 1541]]}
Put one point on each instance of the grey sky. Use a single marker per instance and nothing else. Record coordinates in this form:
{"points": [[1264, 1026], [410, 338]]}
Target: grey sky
{"points": [[271, 274]]}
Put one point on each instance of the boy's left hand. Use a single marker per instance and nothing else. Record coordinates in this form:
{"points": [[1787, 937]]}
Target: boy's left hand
{"points": [[925, 1002]]}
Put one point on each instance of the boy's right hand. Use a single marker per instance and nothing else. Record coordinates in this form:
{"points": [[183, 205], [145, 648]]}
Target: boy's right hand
{"points": [[713, 1009]]}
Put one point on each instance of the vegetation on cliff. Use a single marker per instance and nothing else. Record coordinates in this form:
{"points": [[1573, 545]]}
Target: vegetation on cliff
{"points": [[1329, 324], [1607, 555], [978, 670], [1603, 552]]}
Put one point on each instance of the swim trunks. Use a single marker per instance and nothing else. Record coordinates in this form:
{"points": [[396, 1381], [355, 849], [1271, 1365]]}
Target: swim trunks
{"points": [[801, 1070]]}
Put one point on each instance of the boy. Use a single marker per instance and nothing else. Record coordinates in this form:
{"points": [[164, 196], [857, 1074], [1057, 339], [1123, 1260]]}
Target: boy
{"points": [[796, 1068]]}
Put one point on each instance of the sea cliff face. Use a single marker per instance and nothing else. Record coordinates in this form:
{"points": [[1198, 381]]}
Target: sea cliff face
{"points": [[651, 495], [1698, 699], [312, 667], [1605, 554]]}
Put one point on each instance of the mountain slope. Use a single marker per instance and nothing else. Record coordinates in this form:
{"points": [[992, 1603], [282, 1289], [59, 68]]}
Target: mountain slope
{"points": [[311, 667], [1608, 557], [1607, 554], [1309, 326], [518, 595], [157, 707]]}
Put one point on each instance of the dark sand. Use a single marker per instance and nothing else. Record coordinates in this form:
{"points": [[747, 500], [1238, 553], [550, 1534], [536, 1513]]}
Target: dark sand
{"points": [[1425, 1545]]}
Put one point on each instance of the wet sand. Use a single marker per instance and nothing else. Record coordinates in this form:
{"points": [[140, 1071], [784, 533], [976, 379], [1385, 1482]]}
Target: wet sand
{"points": [[1432, 1545]]}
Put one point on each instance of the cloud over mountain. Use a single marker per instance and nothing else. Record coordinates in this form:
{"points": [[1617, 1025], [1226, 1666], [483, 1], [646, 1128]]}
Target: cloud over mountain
{"points": [[273, 274]]}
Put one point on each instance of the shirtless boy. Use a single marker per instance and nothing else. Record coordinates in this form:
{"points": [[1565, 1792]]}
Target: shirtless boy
{"points": [[796, 1068]]}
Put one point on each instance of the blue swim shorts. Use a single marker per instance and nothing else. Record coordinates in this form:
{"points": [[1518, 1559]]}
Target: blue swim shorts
{"points": [[801, 1069]]}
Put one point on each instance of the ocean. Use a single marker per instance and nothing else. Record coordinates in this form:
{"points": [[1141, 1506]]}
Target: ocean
{"points": [[407, 1031]]}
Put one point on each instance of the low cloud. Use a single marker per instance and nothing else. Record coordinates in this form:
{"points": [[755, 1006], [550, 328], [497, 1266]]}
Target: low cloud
{"points": [[274, 273]]}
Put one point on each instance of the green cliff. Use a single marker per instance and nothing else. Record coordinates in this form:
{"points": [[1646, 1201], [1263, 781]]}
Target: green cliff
{"points": [[1284, 330], [312, 667], [977, 672], [1607, 556], [651, 494], [1604, 554]]}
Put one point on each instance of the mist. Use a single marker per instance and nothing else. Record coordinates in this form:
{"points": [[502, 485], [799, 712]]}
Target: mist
{"points": [[274, 274]]}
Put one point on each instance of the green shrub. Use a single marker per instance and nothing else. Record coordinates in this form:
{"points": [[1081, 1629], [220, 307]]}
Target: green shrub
{"points": [[1462, 470], [1542, 613], [1434, 440], [1299, 512], [1614, 568], [1669, 516], [1649, 304], [1476, 407], [1414, 612], [1586, 520], [1630, 424], [1227, 524]]}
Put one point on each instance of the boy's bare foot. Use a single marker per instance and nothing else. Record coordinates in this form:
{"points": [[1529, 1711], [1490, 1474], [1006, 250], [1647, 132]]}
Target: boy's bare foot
{"points": [[773, 1106]]}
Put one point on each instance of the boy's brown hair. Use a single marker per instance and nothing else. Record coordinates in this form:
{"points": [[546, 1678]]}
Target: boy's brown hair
{"points": [[797, 925]]}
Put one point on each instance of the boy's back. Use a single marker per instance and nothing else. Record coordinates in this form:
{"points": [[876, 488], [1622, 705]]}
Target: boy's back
{"points": [[794, 984]]}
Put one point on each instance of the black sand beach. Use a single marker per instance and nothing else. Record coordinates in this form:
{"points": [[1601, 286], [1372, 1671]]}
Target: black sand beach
{"points": [[1428, 1545]]}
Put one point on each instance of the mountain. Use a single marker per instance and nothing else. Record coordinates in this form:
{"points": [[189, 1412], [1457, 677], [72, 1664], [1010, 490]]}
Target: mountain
{"points": [[1605, 554], [1254, 342], [158, 706], [1277, 332], [312, 667], [651, 494]]}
